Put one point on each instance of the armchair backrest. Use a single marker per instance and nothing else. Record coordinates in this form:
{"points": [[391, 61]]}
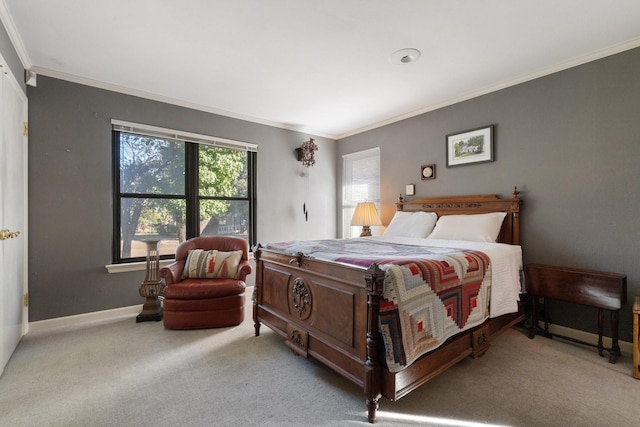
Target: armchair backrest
{"points": [[172, 273], [220, 243]]}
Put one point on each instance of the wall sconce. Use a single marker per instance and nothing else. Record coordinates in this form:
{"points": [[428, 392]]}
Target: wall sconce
{"points": [[366, 215], [305, 153]]}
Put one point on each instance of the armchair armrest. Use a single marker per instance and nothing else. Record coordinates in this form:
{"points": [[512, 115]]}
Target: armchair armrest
{"points": [[244, 269], [172, 272]]}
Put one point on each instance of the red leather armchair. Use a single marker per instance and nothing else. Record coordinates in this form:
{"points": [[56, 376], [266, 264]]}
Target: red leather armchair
{"points": [[195, 303]]}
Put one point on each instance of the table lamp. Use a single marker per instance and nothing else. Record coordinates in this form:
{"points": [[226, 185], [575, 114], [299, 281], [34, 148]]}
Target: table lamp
{"points": [[366, 215]]}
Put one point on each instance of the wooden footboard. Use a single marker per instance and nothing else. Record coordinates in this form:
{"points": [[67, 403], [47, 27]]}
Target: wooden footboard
{"points": [[317, 312], [473, 342], [331, 314], [330, 311]]}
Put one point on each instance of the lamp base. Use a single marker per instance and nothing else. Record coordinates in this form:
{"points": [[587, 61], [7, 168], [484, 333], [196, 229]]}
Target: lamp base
{"points": [[151, 310], [366, 231]]}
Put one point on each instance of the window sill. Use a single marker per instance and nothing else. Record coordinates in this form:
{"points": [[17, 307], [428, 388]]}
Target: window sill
{"points": [[134, 266], [142, 265]]}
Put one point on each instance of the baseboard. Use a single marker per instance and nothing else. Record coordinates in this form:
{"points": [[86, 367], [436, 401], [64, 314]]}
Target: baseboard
{"points": [[96, 316], [625, 347], [85, 318]]}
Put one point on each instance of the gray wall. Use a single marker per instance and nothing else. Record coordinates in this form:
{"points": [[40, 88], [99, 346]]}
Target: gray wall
{"points": [[570, 142], [11, 56], [70, 190]]}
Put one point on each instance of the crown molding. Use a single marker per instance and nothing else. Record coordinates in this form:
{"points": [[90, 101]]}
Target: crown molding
{"points": [[168, 100], [14, 36], [6, 19], [593, 56]]}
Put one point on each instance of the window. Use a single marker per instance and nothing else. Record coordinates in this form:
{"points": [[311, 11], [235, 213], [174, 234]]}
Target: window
{"points": [[360, 183], [172, 186]]}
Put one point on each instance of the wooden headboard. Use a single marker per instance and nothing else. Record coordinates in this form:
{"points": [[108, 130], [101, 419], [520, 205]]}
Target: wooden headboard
{"points": [[456, 205]]}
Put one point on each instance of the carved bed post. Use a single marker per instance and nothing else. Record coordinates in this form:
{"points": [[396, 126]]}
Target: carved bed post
{"points": [[374, 278], [257, 290], [399, 203], [515, 210]]}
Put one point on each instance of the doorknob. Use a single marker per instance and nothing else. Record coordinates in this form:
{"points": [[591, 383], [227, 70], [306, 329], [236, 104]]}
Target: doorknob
{"points": [[6, 234]]}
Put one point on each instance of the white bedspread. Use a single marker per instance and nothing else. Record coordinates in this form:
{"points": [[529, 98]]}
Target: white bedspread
{"points": [[506, 260], [506, 265]]}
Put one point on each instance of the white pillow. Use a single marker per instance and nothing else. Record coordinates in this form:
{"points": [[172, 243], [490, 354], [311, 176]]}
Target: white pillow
{"points": [[411, 224], [474, 227]]}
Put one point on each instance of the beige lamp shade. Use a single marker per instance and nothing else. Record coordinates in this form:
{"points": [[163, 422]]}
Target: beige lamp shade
{"points": [[366, 215]]}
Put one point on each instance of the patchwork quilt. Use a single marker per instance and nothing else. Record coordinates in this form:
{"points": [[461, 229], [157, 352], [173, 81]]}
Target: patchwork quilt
{"points": [[430, 293], [428, 301]]}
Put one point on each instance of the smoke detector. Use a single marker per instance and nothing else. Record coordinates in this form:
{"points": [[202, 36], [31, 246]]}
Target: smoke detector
{"points": [[404, 56]]}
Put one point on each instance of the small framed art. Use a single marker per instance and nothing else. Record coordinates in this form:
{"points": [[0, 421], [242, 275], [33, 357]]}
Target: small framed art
{"points": [[428, 171], [472, 146]]}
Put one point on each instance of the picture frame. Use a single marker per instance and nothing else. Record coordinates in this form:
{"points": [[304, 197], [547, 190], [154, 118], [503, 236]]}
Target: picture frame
{"points": [[470, 147], [428, 171], [410, 190]]}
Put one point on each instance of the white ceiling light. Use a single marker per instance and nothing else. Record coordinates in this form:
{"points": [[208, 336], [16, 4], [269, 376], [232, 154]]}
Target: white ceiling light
{"points": [[404, 56]]}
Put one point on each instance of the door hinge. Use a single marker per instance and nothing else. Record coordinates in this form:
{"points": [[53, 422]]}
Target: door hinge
{"points": [[25, 129], [25, 299]]}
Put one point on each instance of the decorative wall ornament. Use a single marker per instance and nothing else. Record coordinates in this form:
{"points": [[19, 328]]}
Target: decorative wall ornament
{"points": [[306, 152], [428, 171]]}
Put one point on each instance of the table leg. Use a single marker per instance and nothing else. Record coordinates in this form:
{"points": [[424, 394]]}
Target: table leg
{"points": [[600, 330], [545, 302], [615, 346], [534, 317], [636, 343]]}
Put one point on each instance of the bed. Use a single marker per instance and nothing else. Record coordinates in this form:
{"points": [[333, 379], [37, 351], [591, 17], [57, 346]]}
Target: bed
{"points": [[335, 307]]}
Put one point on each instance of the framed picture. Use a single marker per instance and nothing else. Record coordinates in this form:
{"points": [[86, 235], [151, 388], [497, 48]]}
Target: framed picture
{"points": [[428, 171], [410, 190], [472, 146]]}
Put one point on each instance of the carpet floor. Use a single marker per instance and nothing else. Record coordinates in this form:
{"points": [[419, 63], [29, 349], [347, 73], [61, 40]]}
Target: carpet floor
{"points": [[119, 373]]}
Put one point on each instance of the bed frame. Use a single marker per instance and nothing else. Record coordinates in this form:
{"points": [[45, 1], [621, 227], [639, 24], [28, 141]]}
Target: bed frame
{"points": [[330, 311]]}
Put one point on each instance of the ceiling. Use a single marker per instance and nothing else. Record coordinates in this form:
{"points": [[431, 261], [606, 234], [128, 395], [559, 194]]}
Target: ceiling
{"points": [[319, 67]]}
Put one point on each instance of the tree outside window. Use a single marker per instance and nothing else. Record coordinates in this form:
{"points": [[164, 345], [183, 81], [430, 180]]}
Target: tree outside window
{"points": [[174, 190]]}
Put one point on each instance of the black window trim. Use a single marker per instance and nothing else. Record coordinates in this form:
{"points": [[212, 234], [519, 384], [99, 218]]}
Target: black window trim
{"points": [[191, 195]]}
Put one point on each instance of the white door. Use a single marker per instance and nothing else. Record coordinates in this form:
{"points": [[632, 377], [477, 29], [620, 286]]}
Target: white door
{"points": [[13, 215]]}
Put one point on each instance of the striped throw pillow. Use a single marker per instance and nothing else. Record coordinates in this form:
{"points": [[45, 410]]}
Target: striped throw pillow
{"points": [[212, 264]]}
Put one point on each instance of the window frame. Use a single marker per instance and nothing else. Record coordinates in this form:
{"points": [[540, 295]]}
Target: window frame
{"points": [[191, 191], [349, 203]]}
